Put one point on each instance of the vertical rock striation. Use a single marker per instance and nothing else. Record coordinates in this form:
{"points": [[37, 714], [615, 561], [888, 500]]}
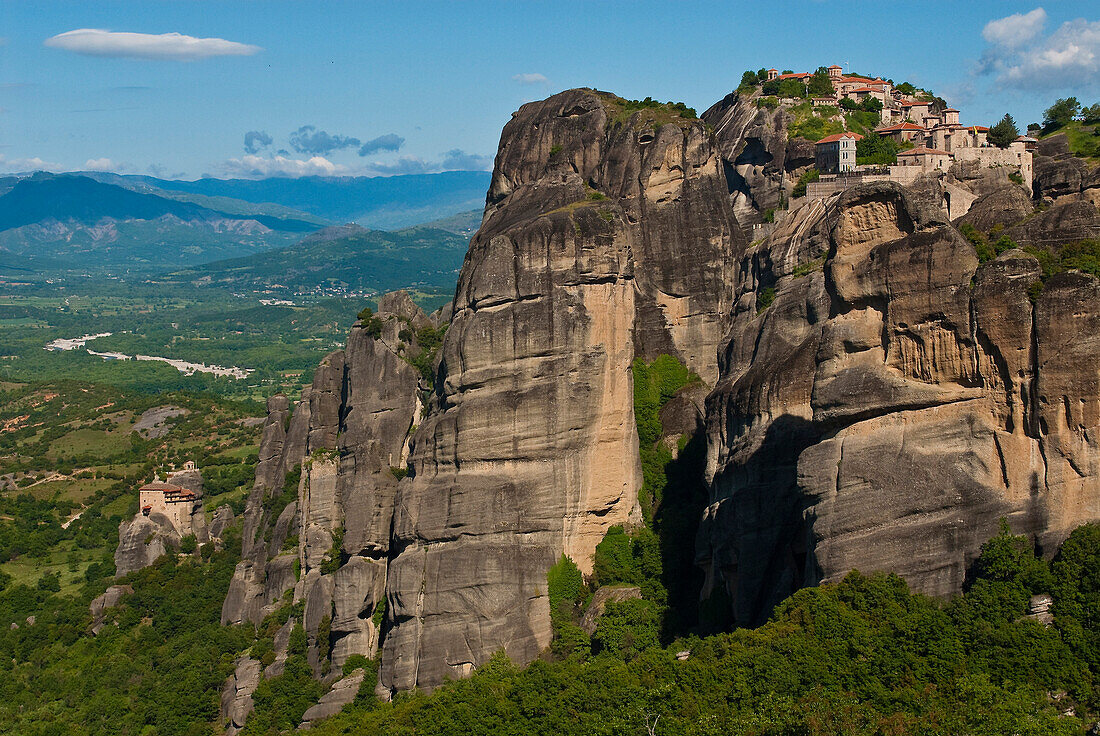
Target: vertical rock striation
{"points": [[328, 541], [893, 402], [607, 235]]}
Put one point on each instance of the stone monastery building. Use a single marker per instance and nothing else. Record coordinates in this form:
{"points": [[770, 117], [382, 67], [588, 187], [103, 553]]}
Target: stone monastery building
{"points": [[168, 499], [935, 137]]}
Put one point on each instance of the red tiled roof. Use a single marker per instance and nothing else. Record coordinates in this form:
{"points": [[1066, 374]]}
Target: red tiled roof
{"points": [[950, 109], [923, 151], [837, 136], [836, 66], [975, 128], [899, 126], [158, 485], [795, 75]]}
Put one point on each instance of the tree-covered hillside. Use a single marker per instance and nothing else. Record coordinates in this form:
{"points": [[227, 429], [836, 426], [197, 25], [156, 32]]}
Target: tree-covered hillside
{"points": [[363, 261], [862, 656]]}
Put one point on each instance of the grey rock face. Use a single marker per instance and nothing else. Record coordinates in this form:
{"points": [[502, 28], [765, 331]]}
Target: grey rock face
{"points": [[605, 237], [343, 692], [893, 403], [402, 305], [1055, 177], [1004, 206], [223, 519], [236, 695], [142, 540], [1064, 222], [757, 157], [348, 431], [108, 599]]}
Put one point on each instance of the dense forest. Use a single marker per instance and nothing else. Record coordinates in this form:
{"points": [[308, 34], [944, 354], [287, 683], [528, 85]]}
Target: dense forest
{"points": [[862, 656]]}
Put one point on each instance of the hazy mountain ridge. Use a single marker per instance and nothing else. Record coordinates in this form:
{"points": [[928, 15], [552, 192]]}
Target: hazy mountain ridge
{"points": [[94, 221], [375, 202], [346, 258]]}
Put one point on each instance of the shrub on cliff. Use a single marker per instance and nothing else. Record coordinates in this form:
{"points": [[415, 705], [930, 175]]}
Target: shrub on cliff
{"points": [[1003, 132], [1061, 113]]}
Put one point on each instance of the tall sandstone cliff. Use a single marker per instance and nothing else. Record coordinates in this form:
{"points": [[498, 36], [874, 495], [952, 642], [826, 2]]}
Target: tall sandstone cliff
{"points": [[607, 236], [880, 398], [894, 401]]}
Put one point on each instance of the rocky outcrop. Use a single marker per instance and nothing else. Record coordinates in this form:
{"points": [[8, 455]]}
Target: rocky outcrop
{"points": [[236, 695], [1066, 222], [108, 599], [143, 539], [317, 523], [342, 693], [1005, 206], [223, 519], [402, 305], [1058, 176], [757, 157], [607, 235], [892, 403]]}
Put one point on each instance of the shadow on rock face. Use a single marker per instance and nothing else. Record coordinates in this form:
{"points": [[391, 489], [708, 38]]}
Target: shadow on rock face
{"points": [[768, 556]]}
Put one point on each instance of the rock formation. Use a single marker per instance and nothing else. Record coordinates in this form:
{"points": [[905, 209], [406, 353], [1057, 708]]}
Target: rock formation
{"points": [[236, 696], [343, 692], [760, 162], [143, 539], [893, 402], [108, 599], [880, 399], [319, 516], [607, 235]]}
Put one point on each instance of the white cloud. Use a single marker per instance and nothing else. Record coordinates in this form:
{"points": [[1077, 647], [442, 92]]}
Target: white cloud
{"points": [[533, 78], [19, 165], [1016, 29], [258, 167], [164, 46], [1021, 56], [453, 160], [100, 164]]}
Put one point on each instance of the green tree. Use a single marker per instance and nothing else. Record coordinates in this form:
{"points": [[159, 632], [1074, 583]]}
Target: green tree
{"points": [[820, 84], [791, 88], [876, 149], [50, 582], [614, 558], [1004, 132], [870, 104], [1061, 113], [628, 627]]}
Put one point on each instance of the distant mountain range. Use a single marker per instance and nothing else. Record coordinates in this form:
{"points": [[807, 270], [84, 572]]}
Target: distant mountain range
{"points": [[343, 259], [96, 222], [379, 203]]}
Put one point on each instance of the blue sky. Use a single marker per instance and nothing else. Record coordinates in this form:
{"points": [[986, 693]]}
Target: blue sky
{"points": [[428, 86]]}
